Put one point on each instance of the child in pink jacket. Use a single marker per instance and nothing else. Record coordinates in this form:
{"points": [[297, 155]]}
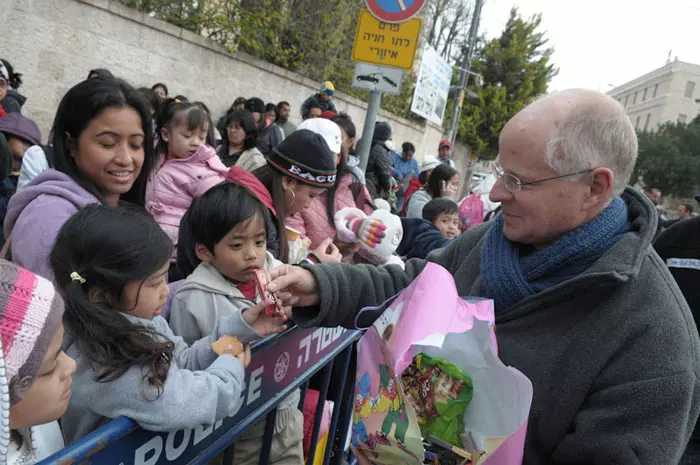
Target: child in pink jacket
{"points": [[186, 167]]}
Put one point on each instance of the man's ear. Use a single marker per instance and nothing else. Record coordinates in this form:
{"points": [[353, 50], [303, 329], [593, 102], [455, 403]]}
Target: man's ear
{"points": [[203, 253], [600, 187]]}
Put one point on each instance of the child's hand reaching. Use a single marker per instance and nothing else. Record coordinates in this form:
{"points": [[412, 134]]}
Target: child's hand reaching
{"points": [[263, 323]]}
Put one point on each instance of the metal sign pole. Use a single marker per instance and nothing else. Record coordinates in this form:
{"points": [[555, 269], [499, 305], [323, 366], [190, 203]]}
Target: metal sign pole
{"points": [[375, 99]]}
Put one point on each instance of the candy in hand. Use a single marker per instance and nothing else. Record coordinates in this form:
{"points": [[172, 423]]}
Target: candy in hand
{"points": [[227, 345], [369, 231]]}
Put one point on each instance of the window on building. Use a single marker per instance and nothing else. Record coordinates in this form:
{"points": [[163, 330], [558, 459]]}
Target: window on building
{"points": [[636, 125], [627, 97], [644, 97], [689, 89], [634, 100], [646, 123], [682, 118], [656, 88]]}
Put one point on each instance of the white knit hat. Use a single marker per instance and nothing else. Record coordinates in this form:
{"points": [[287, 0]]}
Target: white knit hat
{"points": [[326, 129], [429, 163]]}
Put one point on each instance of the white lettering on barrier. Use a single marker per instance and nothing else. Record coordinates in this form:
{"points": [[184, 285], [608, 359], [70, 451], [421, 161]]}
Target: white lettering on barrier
{"points": [[254, 385], [172, 452], [201, 432], [150, 452], [154, 446]]}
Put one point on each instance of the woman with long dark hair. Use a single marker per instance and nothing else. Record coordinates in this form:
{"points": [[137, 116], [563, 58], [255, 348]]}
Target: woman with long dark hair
{"points": [[300, 169], [317, 221], [443, 182], [103, 153]]}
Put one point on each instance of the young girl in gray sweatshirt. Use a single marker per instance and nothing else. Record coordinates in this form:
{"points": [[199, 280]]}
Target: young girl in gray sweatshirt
{"points": [[111, 264]]}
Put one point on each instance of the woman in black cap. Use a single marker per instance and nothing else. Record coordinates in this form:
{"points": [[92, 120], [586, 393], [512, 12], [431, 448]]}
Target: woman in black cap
{"points": [[298, 169]]}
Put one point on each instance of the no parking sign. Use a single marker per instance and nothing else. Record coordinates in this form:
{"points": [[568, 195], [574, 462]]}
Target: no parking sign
{"points": [[394, 11]]}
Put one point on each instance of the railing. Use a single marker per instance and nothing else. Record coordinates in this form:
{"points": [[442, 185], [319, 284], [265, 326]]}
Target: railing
{"points": [[279, 365]]}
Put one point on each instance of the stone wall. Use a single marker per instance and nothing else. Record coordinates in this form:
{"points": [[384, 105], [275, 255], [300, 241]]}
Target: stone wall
{"points": [[54, 43]]}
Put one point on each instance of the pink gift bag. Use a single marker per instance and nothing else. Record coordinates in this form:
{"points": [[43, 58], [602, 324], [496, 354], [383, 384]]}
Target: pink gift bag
{"points": [[429, 317]]}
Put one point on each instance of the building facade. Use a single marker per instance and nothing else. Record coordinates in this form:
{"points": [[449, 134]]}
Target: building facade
{"points": [[670, 93]]}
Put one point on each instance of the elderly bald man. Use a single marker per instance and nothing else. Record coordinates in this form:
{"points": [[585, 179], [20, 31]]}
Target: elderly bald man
{"points": [[584, 306]]}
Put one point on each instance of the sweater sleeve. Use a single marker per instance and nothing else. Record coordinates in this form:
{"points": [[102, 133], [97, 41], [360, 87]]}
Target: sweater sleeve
{"points": [[200, 355], [187, 399], [345, 289], [415, 206], [182, 321]]}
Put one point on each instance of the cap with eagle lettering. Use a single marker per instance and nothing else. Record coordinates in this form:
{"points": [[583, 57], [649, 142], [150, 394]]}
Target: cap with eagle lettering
{"points": [[306, 157]]}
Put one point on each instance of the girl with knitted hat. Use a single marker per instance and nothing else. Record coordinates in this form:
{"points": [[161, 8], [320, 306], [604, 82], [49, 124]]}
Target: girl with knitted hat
{"points": [[110, 264], [35, 374], [298, 170]]}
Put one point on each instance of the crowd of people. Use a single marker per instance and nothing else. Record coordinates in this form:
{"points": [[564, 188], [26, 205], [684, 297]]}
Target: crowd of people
{"points": [[132, 235], [149, 219]]}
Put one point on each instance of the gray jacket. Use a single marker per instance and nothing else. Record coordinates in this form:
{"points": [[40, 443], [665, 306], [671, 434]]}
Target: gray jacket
{"points": [[205, 298], [613, 354], [201, 388], [416, 203]]}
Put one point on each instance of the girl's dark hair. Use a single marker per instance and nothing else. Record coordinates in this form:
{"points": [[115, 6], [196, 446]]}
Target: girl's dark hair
{"points": [[441, 173], [173, 110], [408, 147], [101, 73], [344, 121], [83, 103], [160, 84], [15, 78], [151, 97], [272, 180], [423, 177], [211, 217], [211, 135], [343, 169], [109, 248], [245, 120]]}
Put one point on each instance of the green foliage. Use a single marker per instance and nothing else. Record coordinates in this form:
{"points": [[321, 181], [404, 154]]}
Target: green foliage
{"points": [[516, 68], [669, 159]]}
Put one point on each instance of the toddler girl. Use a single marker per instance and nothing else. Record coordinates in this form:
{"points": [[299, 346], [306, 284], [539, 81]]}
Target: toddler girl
{"points": [[110, 264], [186, 166]]}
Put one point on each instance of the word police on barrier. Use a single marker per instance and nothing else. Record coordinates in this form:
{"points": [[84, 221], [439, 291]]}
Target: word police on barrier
{"points": [[275, 367], [386, 44], [395, 11]]}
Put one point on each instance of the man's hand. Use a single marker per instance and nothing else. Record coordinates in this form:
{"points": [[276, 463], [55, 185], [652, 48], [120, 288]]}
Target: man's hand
{"points": [[294, 286], [328, 252], [263, 323]]}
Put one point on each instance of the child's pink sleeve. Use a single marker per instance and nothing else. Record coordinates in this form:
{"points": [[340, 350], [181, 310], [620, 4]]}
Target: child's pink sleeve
{"points": [[200, 186]]}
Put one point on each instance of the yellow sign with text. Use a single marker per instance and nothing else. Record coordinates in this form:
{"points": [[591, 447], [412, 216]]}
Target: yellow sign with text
{"points": [[386, 44]]}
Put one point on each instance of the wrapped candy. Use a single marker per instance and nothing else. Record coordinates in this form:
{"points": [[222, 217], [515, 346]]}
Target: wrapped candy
{"points": [[440, 394]]}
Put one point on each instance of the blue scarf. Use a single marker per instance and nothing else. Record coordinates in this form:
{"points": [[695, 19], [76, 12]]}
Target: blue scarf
{"points": [[509, 278]]}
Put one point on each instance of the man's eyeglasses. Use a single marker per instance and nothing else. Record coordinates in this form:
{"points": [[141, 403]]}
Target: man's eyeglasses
{"points": [[513, 183]]}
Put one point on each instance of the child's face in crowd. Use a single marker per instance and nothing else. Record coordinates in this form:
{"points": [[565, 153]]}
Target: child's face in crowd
{"points": [[448, 224], [183, 142], [144, 299], [240, 252], [110, 151], [47, 398], [236, 134], [302, 197], [271, 116], [17, 147]]}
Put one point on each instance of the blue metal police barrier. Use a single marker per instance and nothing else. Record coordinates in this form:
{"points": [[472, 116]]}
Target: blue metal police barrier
{"points": [[280, 365]]}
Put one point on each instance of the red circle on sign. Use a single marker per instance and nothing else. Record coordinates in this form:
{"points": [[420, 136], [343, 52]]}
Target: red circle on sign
{"points": [[395, 17]]}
